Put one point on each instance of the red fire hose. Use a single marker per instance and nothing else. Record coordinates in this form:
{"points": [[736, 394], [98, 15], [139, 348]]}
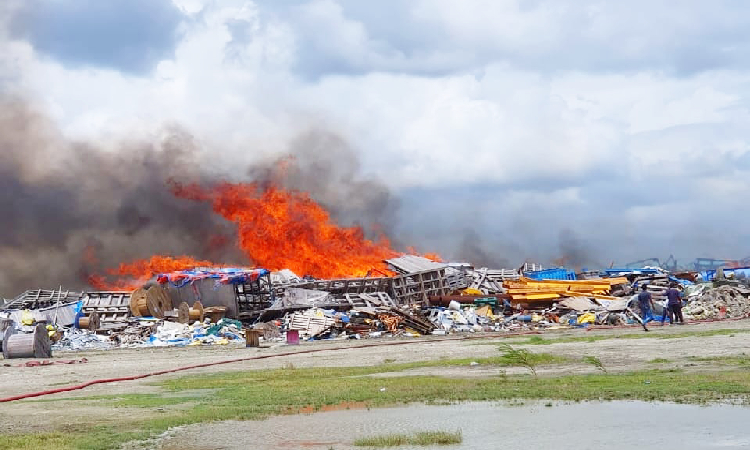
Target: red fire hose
{"points": [[249, 358]]}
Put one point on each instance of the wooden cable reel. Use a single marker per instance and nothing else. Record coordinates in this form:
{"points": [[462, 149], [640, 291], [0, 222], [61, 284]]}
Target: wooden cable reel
{"points": [[138, 306], [27, 345], [158, 301], [90, 322], [152, 301], [186, 314]]}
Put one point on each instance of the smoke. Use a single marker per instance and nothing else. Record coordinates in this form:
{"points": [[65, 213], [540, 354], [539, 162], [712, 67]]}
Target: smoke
{"points": [[72, 208], [323, 164], [474, 249], [575, 252]]}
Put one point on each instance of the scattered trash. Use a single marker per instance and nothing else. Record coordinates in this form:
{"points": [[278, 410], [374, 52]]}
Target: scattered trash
{"points": [[421, 297]]}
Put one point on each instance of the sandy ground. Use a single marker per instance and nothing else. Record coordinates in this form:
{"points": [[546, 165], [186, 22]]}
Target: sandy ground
{"points": [[615, 354]]}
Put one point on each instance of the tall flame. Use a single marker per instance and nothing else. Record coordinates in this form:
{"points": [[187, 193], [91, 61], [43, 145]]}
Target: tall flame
{"points": [[281, 229], [278, 229]]}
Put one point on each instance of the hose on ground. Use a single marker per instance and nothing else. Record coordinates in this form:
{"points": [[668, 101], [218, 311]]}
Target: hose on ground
{"points": [[249, 358]]}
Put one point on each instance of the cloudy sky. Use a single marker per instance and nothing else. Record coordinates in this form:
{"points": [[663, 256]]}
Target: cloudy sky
{"points": [[600, 130]]}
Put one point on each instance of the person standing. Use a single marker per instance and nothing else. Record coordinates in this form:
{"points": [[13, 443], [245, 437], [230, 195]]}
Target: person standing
{"points": [[674, 303], [646, 304], [667, 311]]}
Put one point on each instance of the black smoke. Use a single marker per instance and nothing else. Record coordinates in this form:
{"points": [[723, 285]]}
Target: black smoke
{"points": [[71, 209], [323, 164], [576, 252], [480, 252]]}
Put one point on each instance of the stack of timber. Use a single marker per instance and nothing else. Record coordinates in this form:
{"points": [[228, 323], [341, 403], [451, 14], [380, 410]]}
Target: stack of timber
{"points": [[413, 319], [526, 290], [490, 281]]}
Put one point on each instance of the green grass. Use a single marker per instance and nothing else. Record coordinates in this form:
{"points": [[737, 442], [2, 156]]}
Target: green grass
{"points": [[257, 394], [736, 360], [596, 362], [538, 340], [419, 438], [659, 361]]}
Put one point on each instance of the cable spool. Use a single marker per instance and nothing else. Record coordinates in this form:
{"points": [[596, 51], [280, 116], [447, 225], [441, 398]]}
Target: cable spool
{"points": [[216, 313], [138, 303], [90, 322], [6, 334], [196, 312], [150, 301], [186, 314], [158, 301], [4, 325], [27, 345], [183, 313]]}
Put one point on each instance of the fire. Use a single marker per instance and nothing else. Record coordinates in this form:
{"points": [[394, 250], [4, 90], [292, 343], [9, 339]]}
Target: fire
{"points": [[133, 275], [278, 229], [281, 229]]}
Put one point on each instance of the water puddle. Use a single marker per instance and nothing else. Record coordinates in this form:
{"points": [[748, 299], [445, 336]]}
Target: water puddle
{"points": [[579, 426]]}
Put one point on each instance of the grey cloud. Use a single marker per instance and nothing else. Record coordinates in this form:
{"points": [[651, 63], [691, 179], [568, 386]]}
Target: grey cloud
{"points": [[479, 222], [127, 35], [680, 38], [679, 217]]}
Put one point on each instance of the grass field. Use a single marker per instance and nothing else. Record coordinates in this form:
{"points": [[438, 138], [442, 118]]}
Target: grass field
{"points": [[249, 395]]}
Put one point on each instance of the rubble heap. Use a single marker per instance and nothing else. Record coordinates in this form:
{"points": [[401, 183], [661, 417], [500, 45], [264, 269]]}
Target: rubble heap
{"points": [[706, 302], [217, 306]]}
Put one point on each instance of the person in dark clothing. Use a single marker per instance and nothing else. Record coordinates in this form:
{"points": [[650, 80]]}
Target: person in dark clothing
{"points": [[646, 304], [674, 303], [667, 311]]}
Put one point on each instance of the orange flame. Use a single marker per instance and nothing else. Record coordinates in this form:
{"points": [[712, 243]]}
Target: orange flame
{"points": [[133, 275], [288, 230], [277, 229]]}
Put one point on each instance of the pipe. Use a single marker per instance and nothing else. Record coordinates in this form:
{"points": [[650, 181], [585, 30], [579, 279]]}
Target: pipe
{"points": [[444, 300]]}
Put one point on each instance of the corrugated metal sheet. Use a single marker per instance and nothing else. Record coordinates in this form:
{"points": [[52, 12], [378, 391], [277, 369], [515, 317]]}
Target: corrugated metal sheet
{"points": [[413, 264]]}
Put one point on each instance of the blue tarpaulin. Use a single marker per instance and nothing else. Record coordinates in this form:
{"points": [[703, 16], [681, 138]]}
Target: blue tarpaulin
{"points": [[222, 276], [739, 272], [551, 274]]}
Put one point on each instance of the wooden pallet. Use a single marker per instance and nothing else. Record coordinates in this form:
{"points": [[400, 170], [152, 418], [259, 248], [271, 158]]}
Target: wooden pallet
{"points": [[416, 288], [112, 306], [309, 325]]}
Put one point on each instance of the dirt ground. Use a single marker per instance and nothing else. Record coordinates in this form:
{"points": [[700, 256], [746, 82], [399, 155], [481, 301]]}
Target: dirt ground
{"points": [[615, 354]]}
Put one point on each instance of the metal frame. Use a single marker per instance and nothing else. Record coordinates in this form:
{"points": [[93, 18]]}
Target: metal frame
{"points": [[254, 297]]}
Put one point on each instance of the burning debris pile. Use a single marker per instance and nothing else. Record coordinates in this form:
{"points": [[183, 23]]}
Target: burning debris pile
{"points": [[216, 306], [325, 281], [415, 296]]}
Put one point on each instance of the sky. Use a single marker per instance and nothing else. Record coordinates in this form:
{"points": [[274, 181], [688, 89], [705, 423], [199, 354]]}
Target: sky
{"points": [[602, 131]]}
